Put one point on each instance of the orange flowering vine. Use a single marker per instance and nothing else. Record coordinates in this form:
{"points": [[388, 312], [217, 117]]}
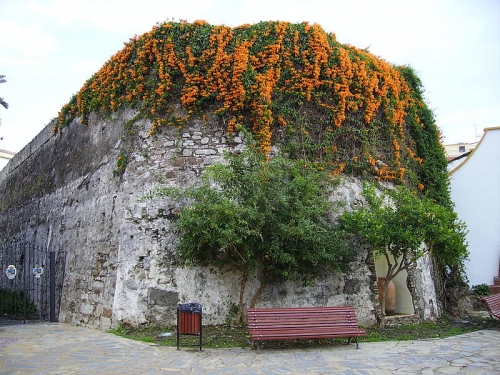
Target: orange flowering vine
{"points": [[268, 76]]}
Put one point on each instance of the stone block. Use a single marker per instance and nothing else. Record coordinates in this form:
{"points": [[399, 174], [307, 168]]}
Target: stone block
{"points": [[205, 151], [179, 162], [161, 297]]}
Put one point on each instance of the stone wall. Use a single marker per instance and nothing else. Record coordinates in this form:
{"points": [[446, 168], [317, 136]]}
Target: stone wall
{"points": [[59, 193], [62, 192]]}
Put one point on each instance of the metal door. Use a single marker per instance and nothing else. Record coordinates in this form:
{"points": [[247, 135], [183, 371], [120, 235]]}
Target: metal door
{"points": [[31, 283]]}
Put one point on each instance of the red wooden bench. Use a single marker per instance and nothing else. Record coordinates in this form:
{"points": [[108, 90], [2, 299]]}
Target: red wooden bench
{"points": [[303, 323], [493, 304]]}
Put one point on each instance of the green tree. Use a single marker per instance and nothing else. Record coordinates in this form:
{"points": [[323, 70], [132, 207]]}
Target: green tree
{"points": [[260, 217], [403, 227]]}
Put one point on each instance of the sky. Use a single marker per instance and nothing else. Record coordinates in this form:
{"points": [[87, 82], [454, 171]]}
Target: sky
{"points": [[49, 48]]}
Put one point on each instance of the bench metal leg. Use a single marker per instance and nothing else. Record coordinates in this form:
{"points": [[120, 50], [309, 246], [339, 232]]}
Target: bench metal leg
{"points": [[355, 339], [257, 344]]}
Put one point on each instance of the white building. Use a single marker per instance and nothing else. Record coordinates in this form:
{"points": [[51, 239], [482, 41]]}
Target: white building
{"points": [[475, 189], [454, 150], [5, 156]]}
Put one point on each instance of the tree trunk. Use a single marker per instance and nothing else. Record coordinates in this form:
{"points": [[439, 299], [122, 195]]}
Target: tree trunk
{"points": [[257, 294], [382, 304], [243, 284]]}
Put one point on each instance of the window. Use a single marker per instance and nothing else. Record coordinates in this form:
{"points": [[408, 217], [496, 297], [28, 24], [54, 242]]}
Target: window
{"points": [[461, 148]]}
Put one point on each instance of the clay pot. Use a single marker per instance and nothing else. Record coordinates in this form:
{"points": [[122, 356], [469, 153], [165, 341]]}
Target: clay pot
{"points": [[390, 295]]}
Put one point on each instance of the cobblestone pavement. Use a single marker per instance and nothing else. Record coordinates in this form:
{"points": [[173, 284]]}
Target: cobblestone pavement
{"points": [[64, 349]]}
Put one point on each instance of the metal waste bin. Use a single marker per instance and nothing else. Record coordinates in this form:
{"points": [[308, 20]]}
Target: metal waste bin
{"points": [[189, 321]]}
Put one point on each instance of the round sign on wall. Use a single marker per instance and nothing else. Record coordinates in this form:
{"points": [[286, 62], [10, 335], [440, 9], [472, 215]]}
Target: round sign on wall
{"points": [[11, 271], [37, 271]]}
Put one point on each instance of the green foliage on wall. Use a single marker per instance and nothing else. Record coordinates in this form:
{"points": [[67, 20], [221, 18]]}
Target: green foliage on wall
{"points": [[262, 218], [343, 108]]}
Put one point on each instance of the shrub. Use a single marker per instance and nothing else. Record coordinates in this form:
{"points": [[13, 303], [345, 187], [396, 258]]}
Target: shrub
{"points": [[481, 290]]}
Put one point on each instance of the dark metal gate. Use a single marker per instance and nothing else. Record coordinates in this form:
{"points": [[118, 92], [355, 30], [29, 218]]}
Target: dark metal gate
{"points": [[30, 284]]}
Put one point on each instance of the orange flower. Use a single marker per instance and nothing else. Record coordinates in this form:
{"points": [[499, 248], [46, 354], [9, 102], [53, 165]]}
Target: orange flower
{"points": [[241, 72]]}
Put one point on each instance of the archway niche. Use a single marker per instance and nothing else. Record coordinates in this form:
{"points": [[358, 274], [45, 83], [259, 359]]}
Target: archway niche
{"points": [[404, 304]]}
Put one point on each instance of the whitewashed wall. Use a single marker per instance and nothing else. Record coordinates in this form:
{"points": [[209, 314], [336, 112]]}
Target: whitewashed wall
{"points": [[475, 189]]}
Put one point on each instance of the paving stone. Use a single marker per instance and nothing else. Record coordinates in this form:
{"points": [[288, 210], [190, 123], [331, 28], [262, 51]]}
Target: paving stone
{"points": [[68, 350]]}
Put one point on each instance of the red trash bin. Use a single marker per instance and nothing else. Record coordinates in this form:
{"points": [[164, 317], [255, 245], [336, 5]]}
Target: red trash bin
{"points": [[189, 321]]}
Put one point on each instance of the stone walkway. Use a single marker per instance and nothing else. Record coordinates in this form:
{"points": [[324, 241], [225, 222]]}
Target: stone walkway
{"points": [[65, 349]]}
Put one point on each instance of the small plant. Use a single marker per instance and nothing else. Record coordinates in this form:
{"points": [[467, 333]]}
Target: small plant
{"points": [[121, 163], [481, 290], [231, 315], [12, 303]]}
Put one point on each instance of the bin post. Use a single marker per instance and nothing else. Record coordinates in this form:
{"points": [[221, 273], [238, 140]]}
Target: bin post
{"points": [[189, 321]]}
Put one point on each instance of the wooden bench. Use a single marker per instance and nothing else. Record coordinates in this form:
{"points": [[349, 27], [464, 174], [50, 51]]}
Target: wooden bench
{"points": [[303, 323], [493, 304]]}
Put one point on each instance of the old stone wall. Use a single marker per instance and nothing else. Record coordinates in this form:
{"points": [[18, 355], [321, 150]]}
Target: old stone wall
{"points": [[59, 194], [64, 192]]}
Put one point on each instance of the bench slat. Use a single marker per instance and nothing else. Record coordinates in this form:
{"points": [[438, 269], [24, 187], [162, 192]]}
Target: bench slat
{"points": [[285, 326], [292, 332], [298, 323]]}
